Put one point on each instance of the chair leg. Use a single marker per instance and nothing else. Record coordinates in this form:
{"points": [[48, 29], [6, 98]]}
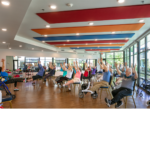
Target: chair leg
{"points": [[10, 104], [133, 101], [126, 102], [110, 93], [101, 93]]}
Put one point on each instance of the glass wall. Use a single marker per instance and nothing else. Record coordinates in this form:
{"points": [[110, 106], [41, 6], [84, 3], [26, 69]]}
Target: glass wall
{"points": [[45, 61], [128, 58], [135, 56], [59, 61], [132, 55], [148, 41]]}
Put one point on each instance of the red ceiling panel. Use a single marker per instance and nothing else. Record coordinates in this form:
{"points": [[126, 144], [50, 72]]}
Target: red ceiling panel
{"points": [[98, 14]]}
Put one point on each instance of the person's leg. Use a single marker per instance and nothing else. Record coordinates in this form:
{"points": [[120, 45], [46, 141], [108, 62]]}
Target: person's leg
{"points": [[97, 86], [121, 94], [15, 85], [68, 84]]}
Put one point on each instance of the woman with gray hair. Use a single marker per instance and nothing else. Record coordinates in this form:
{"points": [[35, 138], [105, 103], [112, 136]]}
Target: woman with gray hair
{"points": [[128, 80]]}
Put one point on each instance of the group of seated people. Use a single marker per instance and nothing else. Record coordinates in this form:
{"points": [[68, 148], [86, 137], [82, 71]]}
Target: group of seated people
{"points": [[128, 77], [72, 74]]}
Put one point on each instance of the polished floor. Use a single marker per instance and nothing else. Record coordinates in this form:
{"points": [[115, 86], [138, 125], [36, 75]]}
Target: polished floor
{"points": [[46, 95]]}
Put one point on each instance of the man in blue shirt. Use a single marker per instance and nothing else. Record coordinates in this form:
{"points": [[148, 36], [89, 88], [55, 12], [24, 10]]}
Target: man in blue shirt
{"points": [[106, 78], [39, 75]]}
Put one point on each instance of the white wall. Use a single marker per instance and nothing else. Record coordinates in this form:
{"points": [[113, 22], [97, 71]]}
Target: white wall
{"points": [[8, 52], [9, 62]]}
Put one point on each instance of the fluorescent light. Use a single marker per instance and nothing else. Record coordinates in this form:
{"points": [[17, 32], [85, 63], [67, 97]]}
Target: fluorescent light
{"points": [[45, 35], [91, 23], [3, 42], [121, 1], [141, 21], [77, 33], [4, 29], [6, 3], [113, 32], [53, 7], [47, 26]]}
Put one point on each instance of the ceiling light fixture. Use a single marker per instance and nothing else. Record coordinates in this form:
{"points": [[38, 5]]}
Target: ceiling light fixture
{"points": [[43, 41], [20, 45], [45, 35], [64, 44], [67, 40], [53, 6], [77, 33], [32, 48], [47, 26], [86, 44], [77, 47], [95, 39], [126, 38], [141, 20], [6, 3], [69, 4], [113, 32], [9, 47], [4, 29], [3, 42], [91, 23], [121, 1]]}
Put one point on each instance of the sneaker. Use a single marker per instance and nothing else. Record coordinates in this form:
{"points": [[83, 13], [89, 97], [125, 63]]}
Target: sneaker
{"points": [[108, 102], [119, 104], [16, 89]]}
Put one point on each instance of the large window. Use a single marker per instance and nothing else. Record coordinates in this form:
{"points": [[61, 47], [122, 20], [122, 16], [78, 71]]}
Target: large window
{"points": [[110, 59], [128, 57], [148, 62], [45, 61], [132, 56], [59, 61], [148, 41], [81, 63], [135, 56], [119, 57], [21, 60], [142, 45]]}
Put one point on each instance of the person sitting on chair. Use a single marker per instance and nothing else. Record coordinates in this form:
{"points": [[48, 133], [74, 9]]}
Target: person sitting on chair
{"points": [[105, 81], [52, 69], [126, 87], [39, 75], [76, 78]]}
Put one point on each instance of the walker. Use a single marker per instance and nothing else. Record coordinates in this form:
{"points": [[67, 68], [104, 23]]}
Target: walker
{"points": [[85, 90]]}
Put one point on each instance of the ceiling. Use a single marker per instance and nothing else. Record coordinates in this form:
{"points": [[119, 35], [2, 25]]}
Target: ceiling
{"points": [[26, 22]]}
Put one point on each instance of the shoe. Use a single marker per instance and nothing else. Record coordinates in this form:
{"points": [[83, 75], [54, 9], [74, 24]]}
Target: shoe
{"points": [[119, 104], [108, 102], [69, 90], [16, 89]]}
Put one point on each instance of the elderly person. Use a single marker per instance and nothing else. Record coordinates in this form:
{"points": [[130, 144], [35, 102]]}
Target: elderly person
{"points": [[126, 88], [106, 78]]}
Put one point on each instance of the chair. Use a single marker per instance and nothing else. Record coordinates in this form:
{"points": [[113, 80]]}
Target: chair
{"points": [[7, 98], [132, 95], [108, 88]]}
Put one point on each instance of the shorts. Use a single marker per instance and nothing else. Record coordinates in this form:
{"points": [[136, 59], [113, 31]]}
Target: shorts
{"points": [[76, 80]]}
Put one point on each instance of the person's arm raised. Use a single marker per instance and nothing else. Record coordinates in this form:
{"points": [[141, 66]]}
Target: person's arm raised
{"points": [[135, 73], [118, 71]]}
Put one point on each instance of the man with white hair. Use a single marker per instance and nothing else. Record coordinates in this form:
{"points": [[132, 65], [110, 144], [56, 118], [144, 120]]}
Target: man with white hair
{"points": [[126, 88]]}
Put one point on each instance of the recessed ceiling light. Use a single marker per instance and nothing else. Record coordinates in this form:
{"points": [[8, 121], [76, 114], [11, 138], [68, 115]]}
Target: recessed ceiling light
{"points": [[4, 29], [95, 39], [42, 50], [53, 7], [45, 35], [141, 20], [67, 40], [121, 1], [9, 47], [43, 41], [32, 48], [77, 33], [6, 3], [86, 44], [126, 38], [3, 42], [77, 47], [91, 23], [59, 47], [47, 26], [64, 44], [110, 43], [113, 32], [20, 45]]}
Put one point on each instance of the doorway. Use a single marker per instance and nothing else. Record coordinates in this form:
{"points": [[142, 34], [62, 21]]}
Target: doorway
{"points": [[15, 65]]}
